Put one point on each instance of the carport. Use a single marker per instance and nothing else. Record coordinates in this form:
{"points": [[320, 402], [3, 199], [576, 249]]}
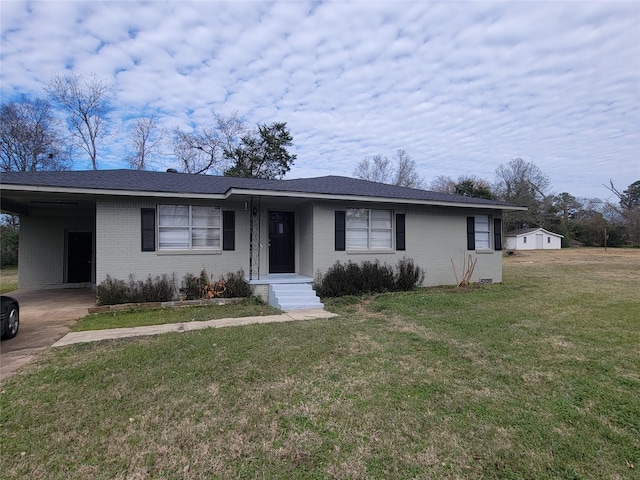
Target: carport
{"points": [[45, 316]]}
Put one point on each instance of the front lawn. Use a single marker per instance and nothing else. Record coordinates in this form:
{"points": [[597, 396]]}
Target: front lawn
{"points": [[533, 378], [248, 307]]}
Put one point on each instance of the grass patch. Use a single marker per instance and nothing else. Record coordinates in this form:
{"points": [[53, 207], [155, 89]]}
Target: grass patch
{"points": [[8, 279], [248, 307], [533, 378]]}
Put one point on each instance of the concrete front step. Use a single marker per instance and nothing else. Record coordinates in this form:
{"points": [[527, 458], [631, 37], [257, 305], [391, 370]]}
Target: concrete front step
{"points": [[293, 296]]}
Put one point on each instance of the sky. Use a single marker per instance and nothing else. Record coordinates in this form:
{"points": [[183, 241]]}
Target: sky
{"points": [[462, 87]]}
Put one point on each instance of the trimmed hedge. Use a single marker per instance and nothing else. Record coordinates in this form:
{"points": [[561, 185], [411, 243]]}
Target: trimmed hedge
{"points": [[368, 277], [164, 289], [114, 292]]}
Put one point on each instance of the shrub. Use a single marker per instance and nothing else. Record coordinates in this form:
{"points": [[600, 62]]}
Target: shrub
{"points": [[333, 283], [409, 275], [190, 287], [162, 289], [377, 278], [113, 291], [196, 288], [368, 277], [236, 286]]}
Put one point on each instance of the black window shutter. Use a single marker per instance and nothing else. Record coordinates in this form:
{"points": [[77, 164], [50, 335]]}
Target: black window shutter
{"points": [[471, 233], [340, 230], [229, 230], [148, 222], [497, 234], [400, 229]]}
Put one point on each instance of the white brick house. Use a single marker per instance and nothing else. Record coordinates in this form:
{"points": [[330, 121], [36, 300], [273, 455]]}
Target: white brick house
{"points": [[77, 227]]}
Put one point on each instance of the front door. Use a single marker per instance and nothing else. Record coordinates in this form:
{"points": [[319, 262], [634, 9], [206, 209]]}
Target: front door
{"points": [[281, 243], [79, 256]]}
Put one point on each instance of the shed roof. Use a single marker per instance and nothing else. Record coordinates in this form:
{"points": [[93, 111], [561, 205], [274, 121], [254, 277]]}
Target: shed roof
{"points": [[524, 231]]}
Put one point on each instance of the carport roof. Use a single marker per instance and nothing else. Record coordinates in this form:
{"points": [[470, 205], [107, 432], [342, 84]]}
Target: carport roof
{"points": [[140, 182]]}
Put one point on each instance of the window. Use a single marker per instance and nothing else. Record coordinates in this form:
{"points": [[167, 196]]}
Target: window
{"points": [[483, 232], [187, 227], [524, 239], [479, 233], [548, 239], [368, 229]]}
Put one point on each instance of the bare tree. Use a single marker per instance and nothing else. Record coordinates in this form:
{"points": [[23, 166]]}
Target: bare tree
{"points": [[402, 171], [443, 184], [146, 138], [406, 173], [203, 151], [523, 183], [29, 138], [375, 169], [86, 100]]}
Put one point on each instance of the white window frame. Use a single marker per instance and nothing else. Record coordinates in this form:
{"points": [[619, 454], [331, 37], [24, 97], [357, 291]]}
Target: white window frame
{"points": [[192, 231], [370, 229], [482, 233]]}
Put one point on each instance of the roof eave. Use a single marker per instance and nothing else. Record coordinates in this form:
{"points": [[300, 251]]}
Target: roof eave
{"points": [[107, 192], [364, 198], [251, 192]]}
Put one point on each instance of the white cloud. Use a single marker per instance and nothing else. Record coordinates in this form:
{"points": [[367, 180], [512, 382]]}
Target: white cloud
{"points": [[462, 87]]}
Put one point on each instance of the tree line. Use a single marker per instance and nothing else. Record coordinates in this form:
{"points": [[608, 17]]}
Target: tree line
{"points": [[582, 221], [73, 119]]}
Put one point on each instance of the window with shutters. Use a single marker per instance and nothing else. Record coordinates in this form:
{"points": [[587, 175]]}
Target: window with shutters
{"points": [[368, 229], [189, 227], [484, 233]]}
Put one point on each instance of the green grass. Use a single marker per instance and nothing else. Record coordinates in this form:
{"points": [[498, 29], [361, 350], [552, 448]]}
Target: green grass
{"points": [[8, 279], [142, 317], [533, 378]]}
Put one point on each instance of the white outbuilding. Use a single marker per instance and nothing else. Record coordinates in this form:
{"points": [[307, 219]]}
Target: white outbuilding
{"points": [[533, 239]]}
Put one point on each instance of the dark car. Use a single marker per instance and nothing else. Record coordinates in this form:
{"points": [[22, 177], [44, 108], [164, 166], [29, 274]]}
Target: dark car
{"points": [[9, 317]]}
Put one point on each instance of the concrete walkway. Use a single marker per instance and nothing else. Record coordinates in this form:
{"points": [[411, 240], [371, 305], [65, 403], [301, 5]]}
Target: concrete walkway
{"points": [[113, 333]]}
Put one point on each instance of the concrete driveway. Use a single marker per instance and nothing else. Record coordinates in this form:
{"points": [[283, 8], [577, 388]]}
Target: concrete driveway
{"points": [[45, 316]]}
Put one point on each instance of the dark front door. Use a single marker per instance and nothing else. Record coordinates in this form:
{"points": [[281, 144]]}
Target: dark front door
{"points": [[79, 256], [281, 242]]}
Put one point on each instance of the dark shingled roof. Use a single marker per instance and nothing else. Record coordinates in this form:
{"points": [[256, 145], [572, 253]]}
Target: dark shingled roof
{"points": [[183, 183]]}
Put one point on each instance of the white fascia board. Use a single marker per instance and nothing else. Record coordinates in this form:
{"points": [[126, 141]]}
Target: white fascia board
{"points": [[361, 198], [103, 192]]}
